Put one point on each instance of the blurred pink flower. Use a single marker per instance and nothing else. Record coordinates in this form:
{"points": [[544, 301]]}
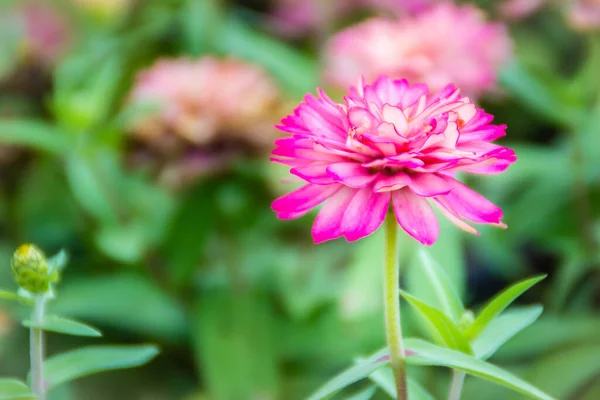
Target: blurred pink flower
{"points": [[200, 99], [43, 32], [294, 18], [199, 103], [517, 9], [389, 143], [584, 15], [445, 43]]}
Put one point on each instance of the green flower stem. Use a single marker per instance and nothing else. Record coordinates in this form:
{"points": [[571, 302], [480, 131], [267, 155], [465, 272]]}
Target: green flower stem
{"points": [[37, 348], [392, 307], [458, 377]]}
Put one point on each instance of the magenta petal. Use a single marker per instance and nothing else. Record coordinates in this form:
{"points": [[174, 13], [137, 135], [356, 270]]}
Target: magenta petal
{"points": [[328, 223], [471, 205], [362, 119], [453, 216], [351, 174], [314, 173], [387, 183], [353, 214], [365, 214], [415, 216], [428, 185], [300, 201]]}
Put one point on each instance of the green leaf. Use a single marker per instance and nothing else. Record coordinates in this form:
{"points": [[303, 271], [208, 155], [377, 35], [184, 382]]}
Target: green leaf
{"points": [[34, 134], [297, 72], [89, 189], [364, 394], [6, 295], [54, 323], [351, 375], [564, 373], [384, 378], [428, 354], [200, 20], [541, 91], [14, 389], [498, 304], [93, 359], [235, 325], [503, 328], [440, 326], [445, 292], [551, 333], [124, 301], [59, 260]]}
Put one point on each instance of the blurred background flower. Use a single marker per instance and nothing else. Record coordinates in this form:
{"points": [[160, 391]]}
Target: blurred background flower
{"points": [[445, 43], [209, 110], [584, 14], [295, 18]]}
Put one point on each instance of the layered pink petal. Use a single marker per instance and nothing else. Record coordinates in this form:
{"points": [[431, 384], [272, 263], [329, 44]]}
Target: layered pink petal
{"points": [[453, 216], [471, 205], [300, 201], [429, 185], [415, 216], [351, 213], [351, 174]]}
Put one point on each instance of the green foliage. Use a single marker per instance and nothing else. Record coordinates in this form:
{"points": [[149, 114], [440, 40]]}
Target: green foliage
{"points": [[54, 323], [428, 354], [90, 360], [502, 328], [13, 389], [353, 374], [441, 327], [499, 304]]}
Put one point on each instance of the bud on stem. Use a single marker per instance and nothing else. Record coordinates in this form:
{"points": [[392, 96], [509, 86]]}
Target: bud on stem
{"points": [[31, 271]]}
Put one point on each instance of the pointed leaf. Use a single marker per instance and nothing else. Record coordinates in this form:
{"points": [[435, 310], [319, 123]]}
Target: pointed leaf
{"points": [[365, 394], [13, 389], [6, 295], [566, 372], [54, 323], [440, 326], [59, 260], [93, 359], [384, 378], [447, 296], [503, 328], [34, 134], [432, 355], [499, 304], [351, 375]]}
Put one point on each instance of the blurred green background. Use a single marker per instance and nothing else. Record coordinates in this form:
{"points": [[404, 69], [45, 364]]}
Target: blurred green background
{"points": [[242, 305]]}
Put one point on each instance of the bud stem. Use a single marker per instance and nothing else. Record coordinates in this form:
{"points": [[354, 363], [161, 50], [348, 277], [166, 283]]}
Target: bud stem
{"points": [[37, 348], [458, 377], [392, 307]]}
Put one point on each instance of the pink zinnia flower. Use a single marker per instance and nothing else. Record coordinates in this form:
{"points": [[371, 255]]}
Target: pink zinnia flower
{"points": [[394, 144], [445, 43]]}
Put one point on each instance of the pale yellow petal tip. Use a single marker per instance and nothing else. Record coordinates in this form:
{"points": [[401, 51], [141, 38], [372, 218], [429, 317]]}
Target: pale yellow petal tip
{"points": [[501, 225]]}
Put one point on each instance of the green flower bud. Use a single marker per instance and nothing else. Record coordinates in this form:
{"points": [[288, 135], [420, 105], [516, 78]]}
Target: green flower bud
{"points": [[31, 270], [466, 320]]}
